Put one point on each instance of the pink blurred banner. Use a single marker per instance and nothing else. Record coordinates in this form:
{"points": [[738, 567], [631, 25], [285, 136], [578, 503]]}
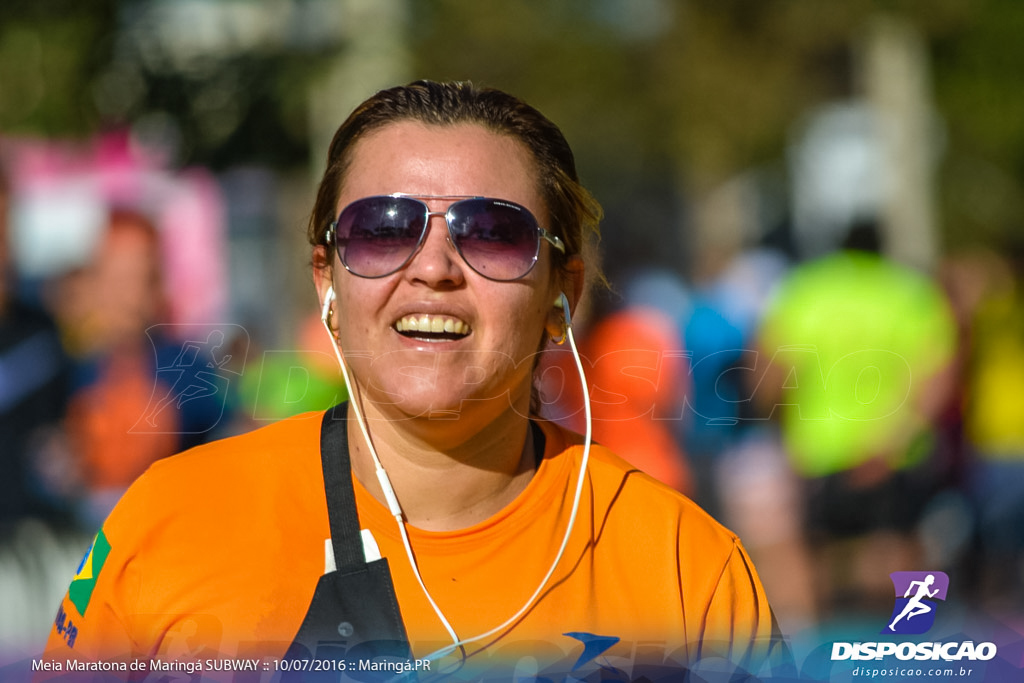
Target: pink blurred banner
{"points": [[63, 192]]}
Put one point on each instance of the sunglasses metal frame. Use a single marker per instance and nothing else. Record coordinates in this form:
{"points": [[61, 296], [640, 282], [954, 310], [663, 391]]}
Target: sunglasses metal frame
{"points": [[552, 238]]}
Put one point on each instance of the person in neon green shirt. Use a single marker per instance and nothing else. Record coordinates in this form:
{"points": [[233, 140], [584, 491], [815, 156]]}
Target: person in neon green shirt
{"points": [[859, 342]]}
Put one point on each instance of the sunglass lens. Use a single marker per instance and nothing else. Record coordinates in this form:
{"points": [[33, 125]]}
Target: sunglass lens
{"points": [[499, 240], [376, 236]]}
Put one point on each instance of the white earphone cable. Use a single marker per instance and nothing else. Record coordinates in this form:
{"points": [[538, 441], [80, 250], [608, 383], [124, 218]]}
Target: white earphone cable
{"points": [[382, 475], [584, 459], [396, 510]]}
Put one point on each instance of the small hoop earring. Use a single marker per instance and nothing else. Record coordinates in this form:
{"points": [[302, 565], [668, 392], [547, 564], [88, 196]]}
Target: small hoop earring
{"points": [[562, 304], [559, 340]]}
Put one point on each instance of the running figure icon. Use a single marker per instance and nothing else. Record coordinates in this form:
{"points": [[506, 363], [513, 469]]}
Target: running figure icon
{"points": [[915, 606], [194, 367]]}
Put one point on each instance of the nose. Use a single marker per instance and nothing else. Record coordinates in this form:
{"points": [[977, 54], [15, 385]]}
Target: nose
{"points": [[436, 264]]}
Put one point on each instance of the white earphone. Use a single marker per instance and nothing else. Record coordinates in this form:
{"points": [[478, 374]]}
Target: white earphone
{"points": [[325, 312], [382, 476], [562, 303]]}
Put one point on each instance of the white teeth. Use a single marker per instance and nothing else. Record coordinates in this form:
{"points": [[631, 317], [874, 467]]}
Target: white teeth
{"points": [[435, 324]]}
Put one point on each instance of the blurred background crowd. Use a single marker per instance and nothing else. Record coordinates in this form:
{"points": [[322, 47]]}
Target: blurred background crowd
{"points": [[814, 239]]}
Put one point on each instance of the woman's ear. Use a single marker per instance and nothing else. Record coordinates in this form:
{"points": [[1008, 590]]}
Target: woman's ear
{"points": [[571, 278]]}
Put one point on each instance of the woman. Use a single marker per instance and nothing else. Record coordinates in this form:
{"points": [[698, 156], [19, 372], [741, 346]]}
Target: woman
{"points": [[447, 238]]}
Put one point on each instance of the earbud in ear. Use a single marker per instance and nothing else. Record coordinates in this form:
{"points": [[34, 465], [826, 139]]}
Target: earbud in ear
{"points": [[562, 303], [325, 312]]}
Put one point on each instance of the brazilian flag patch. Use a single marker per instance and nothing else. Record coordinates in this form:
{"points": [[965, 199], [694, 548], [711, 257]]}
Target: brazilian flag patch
{"points": [[84, 582]]}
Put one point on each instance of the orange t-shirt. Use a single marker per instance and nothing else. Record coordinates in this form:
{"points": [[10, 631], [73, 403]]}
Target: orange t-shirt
{"points": [[216, 552]]}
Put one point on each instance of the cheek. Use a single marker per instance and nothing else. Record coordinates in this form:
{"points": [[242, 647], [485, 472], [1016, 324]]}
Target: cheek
{"points": [[353, 332], [354, 313], [528, 327]]}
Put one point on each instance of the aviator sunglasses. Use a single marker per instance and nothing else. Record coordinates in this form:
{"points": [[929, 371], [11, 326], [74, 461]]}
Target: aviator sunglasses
{"points": [[378, 236]]}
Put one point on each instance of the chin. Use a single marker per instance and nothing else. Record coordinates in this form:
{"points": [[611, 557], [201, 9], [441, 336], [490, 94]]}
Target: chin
{"points": [[439, 402]]}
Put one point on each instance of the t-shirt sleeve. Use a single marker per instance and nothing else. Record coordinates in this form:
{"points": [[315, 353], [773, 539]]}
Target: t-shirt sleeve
{"points": [[740, 625], [92, 622], [88, 624]]}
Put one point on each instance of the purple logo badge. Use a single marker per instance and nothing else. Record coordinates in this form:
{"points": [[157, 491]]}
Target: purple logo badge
{"points": [[916, 593]]}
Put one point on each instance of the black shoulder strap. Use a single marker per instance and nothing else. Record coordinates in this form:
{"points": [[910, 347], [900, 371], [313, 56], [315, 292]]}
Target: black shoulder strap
{"points": [[341, 497], [354, 613]]}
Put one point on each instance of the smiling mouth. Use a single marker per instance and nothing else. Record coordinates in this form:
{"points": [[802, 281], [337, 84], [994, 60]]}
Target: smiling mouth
{"points": [[431, 328]]}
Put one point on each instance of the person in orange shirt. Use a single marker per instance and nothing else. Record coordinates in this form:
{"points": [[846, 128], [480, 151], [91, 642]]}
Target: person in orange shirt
{"points": [[106, 321], [430, 527], [635, 367]]}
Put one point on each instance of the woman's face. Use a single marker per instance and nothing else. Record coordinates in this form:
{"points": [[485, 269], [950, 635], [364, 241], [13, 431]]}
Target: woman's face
{"points": [[494, 328]]}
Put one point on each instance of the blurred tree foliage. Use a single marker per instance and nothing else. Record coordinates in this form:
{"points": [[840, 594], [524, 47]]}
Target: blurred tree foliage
{"points": [[661, 98], [70, 69], [50, 54], [977, 73]]}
